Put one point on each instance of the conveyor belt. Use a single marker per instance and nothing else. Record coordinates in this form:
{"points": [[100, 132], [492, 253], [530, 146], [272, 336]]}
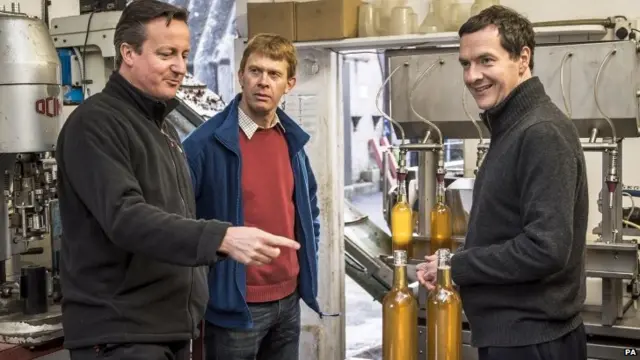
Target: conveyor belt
{"points": [[365, 242]]}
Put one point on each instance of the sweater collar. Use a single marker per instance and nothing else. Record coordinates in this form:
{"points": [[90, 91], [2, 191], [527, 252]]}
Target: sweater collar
{"points": [[523, 98], [152, 108]]}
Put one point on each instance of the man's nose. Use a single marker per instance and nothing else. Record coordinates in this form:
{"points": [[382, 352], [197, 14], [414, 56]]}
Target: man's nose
{"points": [[180, 66], [472, 75], [263, 80]]}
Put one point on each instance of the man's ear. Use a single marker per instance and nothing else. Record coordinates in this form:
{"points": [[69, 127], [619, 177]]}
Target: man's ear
{"points": [[525, 59], [291, 83], [127, 52]]}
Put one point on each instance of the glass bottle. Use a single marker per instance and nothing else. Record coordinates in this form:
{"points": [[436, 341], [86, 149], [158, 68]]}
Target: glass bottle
{"points": [[440, 221], [444, 315], [432, 23], [400, 315], [402, 220]]}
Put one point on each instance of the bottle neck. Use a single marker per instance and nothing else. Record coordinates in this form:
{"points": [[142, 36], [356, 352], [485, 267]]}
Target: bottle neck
{"points": [[444, 268], [402, 191], [400, 277], [444, 277], [440, 192]]}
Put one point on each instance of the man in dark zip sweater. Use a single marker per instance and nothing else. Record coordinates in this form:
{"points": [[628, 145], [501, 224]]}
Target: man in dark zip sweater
{"points": [[521, 273], [134, 260]]}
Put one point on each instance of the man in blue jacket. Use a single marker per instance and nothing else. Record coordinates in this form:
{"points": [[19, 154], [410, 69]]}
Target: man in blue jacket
{"points": [[248, 166]]}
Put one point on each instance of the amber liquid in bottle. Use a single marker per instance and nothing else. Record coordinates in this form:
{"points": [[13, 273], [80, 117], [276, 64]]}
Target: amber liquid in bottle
{"points": [[440, 222], [444, 315], [402, 221], [400, 315]]}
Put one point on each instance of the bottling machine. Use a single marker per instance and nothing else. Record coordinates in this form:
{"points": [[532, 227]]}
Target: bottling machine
{"points": [[596, 84], [84, 44], [47, 72], [30, 116]]}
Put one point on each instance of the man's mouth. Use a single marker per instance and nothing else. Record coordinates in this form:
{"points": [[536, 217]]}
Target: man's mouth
{"points": [[481, 90], [175, 83], [262, 97]]}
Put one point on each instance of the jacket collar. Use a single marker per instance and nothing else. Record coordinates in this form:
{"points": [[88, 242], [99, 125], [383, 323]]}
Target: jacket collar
{"points": [[152, 108], [521, 100], [229, 130]]}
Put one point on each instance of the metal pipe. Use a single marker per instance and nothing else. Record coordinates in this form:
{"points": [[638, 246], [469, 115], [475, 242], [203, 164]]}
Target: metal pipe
{"points": [[421, 147], [593, 21], [598, 146], [378, 106], [386, 186], [413, 89], [565, 99], [426, 190], [473, 120], [614, 138], [594, 135]]}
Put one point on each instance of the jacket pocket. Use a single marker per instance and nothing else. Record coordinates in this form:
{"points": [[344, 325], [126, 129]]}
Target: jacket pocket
{"points": [[225, 295]]}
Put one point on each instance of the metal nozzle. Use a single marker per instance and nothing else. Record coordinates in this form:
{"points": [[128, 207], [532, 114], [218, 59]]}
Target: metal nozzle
{"points": [[440, 171], [479, 157], [402, 161], [612, 178], [402, 165]]}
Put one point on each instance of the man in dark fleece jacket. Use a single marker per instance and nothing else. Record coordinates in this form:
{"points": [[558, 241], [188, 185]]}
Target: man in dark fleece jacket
{"points": [[521, 273], [134, 260]]}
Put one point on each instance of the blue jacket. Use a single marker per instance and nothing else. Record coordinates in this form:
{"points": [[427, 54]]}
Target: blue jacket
{"points": [[213, 152]]}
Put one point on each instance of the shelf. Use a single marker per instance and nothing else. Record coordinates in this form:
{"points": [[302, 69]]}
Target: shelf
{"points": [[436, 39]]}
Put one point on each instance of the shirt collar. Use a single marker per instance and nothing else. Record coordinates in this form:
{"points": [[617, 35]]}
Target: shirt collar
{"points": [[249, 127]]}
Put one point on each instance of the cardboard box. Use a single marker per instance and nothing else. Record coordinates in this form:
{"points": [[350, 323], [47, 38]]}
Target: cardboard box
{"points": [[275, 18], [327, 20]]}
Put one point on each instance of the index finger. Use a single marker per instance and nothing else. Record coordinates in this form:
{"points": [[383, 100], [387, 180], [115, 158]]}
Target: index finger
{"points": [[275, 240]]}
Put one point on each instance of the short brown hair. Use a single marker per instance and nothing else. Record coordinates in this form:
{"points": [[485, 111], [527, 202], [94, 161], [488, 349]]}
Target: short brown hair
{"points": [[515, 30], [273, 46], [131, 27]]}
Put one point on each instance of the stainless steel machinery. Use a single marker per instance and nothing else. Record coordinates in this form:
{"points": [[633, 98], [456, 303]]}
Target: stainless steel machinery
{"points": [[30, 114], [85, 47], [597, 84]]}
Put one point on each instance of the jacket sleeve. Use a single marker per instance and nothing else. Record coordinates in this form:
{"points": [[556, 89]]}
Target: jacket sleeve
{"points": [[194, 159], [547, 176], [313, 200], [96, 162]]}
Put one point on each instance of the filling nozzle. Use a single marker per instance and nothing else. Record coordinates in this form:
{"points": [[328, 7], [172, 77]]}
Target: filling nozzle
{"points": [[440, 171], [402, 164], [612, 179], [479, 157]]}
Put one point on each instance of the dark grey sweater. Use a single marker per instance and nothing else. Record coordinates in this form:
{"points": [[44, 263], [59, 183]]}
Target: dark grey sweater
{"points": [[521, 273]]}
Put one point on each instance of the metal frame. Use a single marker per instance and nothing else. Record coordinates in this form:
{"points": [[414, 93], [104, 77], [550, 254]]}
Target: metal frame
{"points": [[613, 67], [581, 64]]}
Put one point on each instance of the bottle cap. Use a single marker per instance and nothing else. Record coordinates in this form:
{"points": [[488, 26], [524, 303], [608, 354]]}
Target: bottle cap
{"points": [[399, 257], [444, 256]]}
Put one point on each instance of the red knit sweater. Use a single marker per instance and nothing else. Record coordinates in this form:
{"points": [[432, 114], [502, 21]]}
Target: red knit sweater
{"points": [[267, 192]]}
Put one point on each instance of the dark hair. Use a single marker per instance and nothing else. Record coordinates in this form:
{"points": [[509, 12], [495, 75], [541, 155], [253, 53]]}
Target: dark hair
{"points": [[515, 30], [131, 28]]}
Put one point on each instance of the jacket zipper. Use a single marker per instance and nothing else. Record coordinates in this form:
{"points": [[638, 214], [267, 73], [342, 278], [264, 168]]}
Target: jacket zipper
{"points": [[239, 181], [172, 144]]}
